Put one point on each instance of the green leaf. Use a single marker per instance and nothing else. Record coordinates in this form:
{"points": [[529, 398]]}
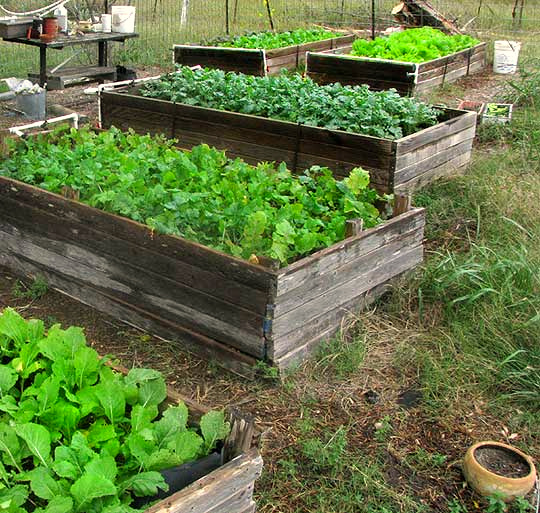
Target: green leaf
{"points": [[8, 378], [187, 446], [173, 421], [152, 388], [13, 326], [90, 487], [16, 495], [99, 432], [60, 504], [111, 398], [104, 466], [145, 484], [10, 446], [48, 393], [213, 428], [87, 364], [162, 459], [357, 180], [43, 484], [142, 417], [37, 439]]}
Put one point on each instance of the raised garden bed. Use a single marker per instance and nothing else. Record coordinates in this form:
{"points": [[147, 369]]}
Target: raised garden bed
{"points": [[259, 61], [399, 165], [215, 305], [406, 77], [79, 442]]}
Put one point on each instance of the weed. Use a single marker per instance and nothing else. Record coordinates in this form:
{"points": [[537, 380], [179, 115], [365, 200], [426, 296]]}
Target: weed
{"points": [[496, 503], [341, 356], [383, 429], [424, 460], [266, 371], [327, 453], [521, 505], [455, 506], [36, 290]]}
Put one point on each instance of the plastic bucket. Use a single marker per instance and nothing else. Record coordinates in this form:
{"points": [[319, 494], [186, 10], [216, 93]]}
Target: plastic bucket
{"points": [[33, 105], [506, 56], [123, 18]]}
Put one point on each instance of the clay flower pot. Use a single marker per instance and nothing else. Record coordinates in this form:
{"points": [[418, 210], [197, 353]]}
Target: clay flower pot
{"points": [[491, 467]]}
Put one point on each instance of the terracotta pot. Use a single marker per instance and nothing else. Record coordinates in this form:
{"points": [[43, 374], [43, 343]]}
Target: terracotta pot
{"points": [[50, 26], [486, 482]]}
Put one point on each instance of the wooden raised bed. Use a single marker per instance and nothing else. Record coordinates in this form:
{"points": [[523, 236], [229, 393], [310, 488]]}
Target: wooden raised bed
{"points": [[405, 77], [212, 304], [255, 61], [395, 166]]}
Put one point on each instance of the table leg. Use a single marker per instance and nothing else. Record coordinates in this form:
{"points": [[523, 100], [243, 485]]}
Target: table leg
{"points": [[42, 65], [102, 53]]}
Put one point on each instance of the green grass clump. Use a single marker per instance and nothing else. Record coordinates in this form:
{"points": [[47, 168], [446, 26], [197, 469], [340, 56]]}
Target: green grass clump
{"points": [[413, 45], [270, 40]]}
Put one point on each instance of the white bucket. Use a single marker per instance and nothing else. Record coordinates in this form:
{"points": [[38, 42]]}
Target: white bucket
{"points": [[33, 105], [506, 56], [106, 22], [123, 18]]}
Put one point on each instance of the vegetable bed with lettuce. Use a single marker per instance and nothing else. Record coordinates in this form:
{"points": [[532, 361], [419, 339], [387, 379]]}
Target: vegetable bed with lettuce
{"points": [[77, 436]]}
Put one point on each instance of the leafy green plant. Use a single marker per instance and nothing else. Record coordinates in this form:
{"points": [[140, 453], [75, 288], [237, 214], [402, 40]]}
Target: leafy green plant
{"points": [[413, 45], [497, 109], [326, 453], [290, 97], [383, 429], [78, 437], [496, 503], [34, 291], [200, 195], [269, 40]]}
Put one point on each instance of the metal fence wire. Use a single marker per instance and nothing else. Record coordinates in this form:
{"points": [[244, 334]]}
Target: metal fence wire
{"points": [[162, 23]]}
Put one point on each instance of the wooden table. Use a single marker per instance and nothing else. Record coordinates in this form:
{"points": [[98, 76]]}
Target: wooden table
{"points": [[99, 72]]}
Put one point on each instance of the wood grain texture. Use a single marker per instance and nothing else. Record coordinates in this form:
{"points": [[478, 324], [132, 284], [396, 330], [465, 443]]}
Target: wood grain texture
{"points": [[215, 490]]}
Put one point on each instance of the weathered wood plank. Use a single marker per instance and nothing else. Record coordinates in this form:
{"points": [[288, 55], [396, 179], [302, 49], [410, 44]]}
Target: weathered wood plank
{"points": [[301, 317], [452, 76], [129, 257], [126, 229], [302, 272], [322, 282], [467, 67], [236, 502], [448, 169], [242, 60], [407, 159], [215, 488], [296, 346], [230, 325], [437, 159], [479, 49], [178, 335], [458, 122]]}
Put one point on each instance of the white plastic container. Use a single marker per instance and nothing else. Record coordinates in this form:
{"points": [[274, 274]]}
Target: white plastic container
{"points": [[33, 105], [506, 56], [61, 13], [106, 22], [123, 18]]}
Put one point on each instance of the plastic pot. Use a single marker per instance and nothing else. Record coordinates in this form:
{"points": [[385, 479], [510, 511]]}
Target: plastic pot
{"points": [[487, 482]]}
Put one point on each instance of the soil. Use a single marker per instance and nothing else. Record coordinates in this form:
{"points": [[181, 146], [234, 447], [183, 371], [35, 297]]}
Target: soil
{"points": [[502, 462]]}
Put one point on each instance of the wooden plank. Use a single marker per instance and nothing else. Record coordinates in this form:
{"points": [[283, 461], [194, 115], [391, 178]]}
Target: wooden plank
{"points": [[403, 89], [435, 160], [243, 60], [449, 77], [130, 257], [407, 159], [236, 502], [215, 488], [328, 259], [451, 65], [324, 44], [459, 121], [227, 325], [479, 49], [322, 282], [139, 234], [178, 335], [451, 168], [300, 341], [388, 266]]}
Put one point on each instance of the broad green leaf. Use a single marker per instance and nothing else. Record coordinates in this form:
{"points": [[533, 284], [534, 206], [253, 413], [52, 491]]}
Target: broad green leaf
{"points": [[173, 421], [104, 466], [152, 388], [357, 180], [187, 445], [87, 364], [90, 487], [8, 378], [63, 417], [60, 504], [111, 398], [27, 364], [48, 393], [16, 495], [10, 446], [13, 326], [213, 428], [142, 416], [145, 484], [162, 459], [88, 401], [43, 484], [99, 432], [37, 439]]}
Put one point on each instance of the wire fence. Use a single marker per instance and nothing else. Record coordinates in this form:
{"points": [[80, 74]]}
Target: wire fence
{"points": [[162, 23]]}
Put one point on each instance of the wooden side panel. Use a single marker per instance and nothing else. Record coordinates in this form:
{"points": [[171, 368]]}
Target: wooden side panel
{"points": [[242, 60], [315, 295], [229, 489], [326, 68], [51, 244], [423, 157]]}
